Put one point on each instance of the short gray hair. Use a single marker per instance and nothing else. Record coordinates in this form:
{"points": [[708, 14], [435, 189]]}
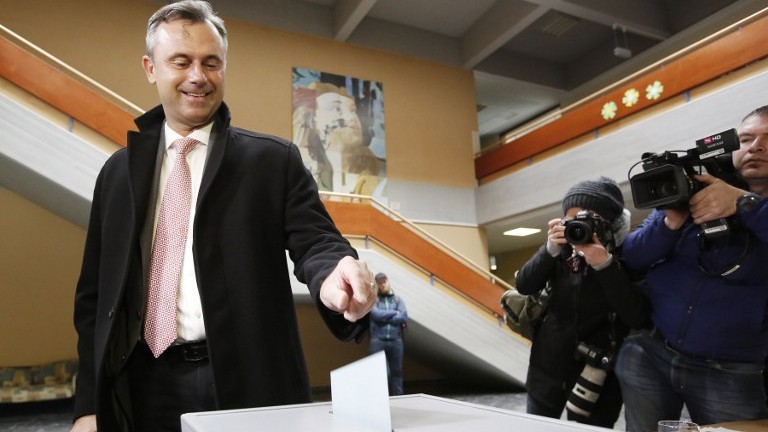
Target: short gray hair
{"points": [[197, 11]]}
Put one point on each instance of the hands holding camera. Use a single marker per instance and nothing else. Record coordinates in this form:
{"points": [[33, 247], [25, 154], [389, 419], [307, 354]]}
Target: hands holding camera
{"points": [[594, 253], [716, 200]]}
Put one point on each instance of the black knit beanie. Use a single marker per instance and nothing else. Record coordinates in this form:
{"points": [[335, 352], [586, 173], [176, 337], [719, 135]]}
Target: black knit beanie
{"points": [[602, 196]]}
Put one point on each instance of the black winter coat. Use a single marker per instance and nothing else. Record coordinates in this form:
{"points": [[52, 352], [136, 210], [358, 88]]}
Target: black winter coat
{"points": [[255, 202], [596, 308]]}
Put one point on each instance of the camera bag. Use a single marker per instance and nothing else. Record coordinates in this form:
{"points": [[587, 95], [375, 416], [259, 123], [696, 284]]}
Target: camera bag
{"points": [[523, 313]]}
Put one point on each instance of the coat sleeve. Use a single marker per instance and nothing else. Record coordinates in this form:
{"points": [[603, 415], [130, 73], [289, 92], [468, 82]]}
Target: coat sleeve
{"points": [[380, 315], [402, 313], [624, 294], [86, 299], [651, 242], [756, 220], [314, 243], [535, 273]]}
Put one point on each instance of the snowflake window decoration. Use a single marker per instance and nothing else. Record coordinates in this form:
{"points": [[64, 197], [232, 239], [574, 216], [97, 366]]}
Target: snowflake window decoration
{"points": [[609, 110], [654, 91], [630, 98]]}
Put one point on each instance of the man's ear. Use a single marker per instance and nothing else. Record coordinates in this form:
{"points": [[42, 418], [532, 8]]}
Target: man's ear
{"points": [[149, 68]]}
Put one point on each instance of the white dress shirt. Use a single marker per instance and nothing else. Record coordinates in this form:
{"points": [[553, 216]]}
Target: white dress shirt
{"points": [[189, 310]]}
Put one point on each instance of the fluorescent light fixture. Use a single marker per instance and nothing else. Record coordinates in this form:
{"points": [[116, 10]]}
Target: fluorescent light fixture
{"points": [[521, 232]]}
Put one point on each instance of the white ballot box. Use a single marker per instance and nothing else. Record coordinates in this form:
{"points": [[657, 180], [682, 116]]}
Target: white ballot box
{"points": [[417, 413]]}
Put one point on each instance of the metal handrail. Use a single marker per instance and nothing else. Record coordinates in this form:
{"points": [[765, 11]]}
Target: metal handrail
{"points": [[421, 232]]}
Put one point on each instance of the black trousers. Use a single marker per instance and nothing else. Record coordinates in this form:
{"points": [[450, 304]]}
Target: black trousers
{"points": [[162, 389]]}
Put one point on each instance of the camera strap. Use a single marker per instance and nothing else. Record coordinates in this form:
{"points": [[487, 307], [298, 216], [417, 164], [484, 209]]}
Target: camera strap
{"points": [[705, 244]]}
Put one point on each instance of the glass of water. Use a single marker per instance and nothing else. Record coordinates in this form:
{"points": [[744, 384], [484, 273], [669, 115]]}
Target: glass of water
{"points": [[677, 426]]}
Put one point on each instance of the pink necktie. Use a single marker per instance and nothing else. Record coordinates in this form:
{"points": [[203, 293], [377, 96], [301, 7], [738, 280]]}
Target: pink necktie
{"points": [[168, 252]]}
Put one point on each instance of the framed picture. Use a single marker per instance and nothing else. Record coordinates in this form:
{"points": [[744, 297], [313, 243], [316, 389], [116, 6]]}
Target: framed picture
{"points": [[338, 124]]}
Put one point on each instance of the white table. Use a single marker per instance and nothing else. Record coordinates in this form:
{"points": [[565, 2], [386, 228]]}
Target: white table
{"points": [[417, 413]]}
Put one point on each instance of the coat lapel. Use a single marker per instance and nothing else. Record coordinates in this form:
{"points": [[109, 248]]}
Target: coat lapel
{"points": [[144, 167], [216, 150]]}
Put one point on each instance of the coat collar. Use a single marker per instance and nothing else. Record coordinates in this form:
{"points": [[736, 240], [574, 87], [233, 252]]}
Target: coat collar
{"points": [[152, 120], [143, 153]]}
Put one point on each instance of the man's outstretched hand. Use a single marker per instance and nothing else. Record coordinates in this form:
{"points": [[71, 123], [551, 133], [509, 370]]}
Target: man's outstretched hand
{"points": [[349, 289]]}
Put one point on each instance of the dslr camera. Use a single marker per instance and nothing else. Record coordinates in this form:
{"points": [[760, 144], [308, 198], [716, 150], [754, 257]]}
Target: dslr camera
{"points": [[590, 382], [667, 180], [583, 226]]}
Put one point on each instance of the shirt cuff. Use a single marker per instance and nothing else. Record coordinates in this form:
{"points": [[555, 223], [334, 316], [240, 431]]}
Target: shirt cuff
{"points": [[604, 264]]}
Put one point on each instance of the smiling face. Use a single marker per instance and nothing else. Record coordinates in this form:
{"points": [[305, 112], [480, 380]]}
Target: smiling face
{"points": [[188, 65]]}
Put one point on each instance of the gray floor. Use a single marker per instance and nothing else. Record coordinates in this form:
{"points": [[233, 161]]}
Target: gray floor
{"points": [[54, 416], [57, 417]]}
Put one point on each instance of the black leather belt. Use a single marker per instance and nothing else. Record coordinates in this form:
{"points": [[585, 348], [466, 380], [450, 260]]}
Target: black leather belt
{"points": [[188, 352]]}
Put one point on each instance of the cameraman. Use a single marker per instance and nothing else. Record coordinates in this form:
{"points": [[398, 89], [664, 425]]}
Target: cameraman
{"points": [[709, 338], [592, 304]]}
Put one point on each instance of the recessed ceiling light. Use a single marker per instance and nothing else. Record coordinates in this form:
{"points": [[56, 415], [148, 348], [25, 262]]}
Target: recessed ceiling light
{"points": [[522, 232]]}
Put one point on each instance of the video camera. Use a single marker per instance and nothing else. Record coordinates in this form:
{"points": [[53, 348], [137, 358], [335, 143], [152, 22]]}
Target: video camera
{"points": [[667, 180]]}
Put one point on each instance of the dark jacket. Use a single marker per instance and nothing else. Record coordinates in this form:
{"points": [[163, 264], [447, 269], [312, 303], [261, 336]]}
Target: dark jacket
{"points": [[387, 317], [256, 200], [708, 315], [596, 308]]}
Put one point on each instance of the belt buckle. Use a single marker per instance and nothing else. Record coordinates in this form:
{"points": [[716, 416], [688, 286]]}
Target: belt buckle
{"points": [[194, 352]]}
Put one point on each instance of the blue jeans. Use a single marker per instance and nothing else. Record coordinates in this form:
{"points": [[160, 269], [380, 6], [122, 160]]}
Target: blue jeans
{"points": [[393, 350], [657, 380]]}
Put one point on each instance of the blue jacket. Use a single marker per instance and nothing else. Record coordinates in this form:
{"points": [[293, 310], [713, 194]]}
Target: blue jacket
{"points": [[698, 310], [387, 317]]}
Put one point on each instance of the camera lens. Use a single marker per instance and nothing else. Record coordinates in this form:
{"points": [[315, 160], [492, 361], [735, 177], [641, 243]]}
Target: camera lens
{"points": [[663, 190], [578, 232], [585, 393]]}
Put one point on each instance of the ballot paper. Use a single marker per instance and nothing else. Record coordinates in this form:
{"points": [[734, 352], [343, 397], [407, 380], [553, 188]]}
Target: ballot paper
{"points": [[359, 394]]}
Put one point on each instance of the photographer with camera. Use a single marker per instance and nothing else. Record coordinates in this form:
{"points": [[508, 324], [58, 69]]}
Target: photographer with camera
{"points": [[592, 306], [709, 299]]}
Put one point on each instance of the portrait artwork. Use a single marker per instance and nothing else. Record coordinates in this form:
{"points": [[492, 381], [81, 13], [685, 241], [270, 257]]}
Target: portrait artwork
{"points": [[338, 124]]}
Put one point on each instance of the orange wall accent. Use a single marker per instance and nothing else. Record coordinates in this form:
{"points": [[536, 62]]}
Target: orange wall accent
{"points": [[362, 219], [730, 52], [64, 92]]}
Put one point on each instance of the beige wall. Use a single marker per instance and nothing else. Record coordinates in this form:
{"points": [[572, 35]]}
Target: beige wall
{"points": [[429, 108], [510, 262], [40, 256], [470, 242]]}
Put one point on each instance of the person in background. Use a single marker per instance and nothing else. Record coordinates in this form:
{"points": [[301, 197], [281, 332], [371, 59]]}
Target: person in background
{"points": [[592, 305], [184, 302], [709, 299], [389, 317]]}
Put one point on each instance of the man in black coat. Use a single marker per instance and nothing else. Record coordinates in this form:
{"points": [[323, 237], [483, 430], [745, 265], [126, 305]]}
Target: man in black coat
{"points": [[237, 341]]}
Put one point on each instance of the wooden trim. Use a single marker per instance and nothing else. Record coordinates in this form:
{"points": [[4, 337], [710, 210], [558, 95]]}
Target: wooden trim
{"points": [[735, 49], [63, 92], [362, 219]]}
